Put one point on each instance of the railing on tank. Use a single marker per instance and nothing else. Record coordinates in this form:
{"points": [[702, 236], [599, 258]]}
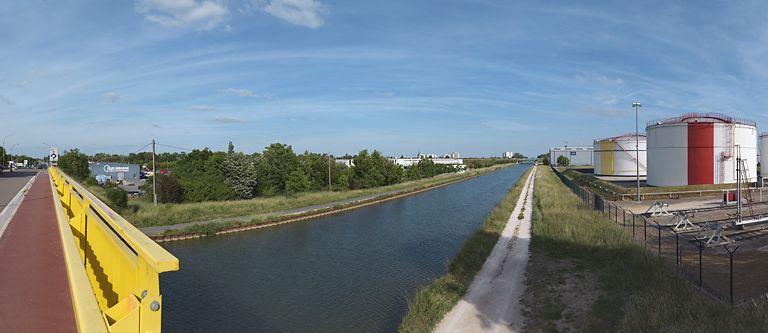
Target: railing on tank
{"points": [[112, 267]]}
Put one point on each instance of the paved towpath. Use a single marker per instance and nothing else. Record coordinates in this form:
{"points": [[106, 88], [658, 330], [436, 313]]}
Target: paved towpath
{"points": [[492, 303]]}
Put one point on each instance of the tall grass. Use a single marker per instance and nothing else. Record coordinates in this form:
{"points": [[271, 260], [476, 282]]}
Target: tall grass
{"points": [[636, 292], [437, 298], [145, 214]]}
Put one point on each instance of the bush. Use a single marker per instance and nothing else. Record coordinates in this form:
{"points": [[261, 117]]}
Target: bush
{"points": [[168, 189], [563, 161], [118, 198], [75, 164]]}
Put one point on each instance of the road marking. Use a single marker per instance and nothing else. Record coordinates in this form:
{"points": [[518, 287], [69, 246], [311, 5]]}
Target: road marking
{"points": [[7, 214]]}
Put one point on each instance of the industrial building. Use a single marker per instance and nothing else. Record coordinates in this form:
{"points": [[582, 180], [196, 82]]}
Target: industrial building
{"points": [[695, 149], [409, 161], [575, 155], [618, 157], [116, 172]]}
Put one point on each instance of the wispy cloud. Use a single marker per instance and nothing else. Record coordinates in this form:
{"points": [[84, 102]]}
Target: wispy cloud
{"points": [[237, 92], [510, 126], [228, 120], [200, 15], [202, 107], [306, 13], [111, 96], [5, 100], [603, 112]]}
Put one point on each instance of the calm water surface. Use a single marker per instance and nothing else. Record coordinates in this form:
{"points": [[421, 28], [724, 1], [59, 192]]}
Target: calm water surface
{"points": [[352, 272]]}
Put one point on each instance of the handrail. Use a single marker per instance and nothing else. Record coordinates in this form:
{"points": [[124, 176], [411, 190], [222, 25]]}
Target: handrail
{"points": [[122, 264], [87, 313]]}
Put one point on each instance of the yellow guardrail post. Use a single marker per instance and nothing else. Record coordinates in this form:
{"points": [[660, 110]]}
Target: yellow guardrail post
{"points": [[113, 268]]}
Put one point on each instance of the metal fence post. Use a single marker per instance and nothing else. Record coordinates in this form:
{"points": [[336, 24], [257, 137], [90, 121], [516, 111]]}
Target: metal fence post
{"points": [[701, 248], [645, 233], [730, 255], [633, 226], [677, 247]]}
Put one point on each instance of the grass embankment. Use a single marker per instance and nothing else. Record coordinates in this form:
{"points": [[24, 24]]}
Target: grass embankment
{"points": [[610, 190], [146, 215], [585, 274], [437, 298]]}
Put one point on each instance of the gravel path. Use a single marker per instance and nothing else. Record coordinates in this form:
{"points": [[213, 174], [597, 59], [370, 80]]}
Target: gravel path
{"points": [[492, 303]]}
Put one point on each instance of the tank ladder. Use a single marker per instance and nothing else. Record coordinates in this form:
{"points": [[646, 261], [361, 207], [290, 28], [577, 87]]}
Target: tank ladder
{"points": [[744, 178]]}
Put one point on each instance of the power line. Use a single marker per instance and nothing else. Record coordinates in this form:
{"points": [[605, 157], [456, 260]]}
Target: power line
{"points": [[174, 147]]}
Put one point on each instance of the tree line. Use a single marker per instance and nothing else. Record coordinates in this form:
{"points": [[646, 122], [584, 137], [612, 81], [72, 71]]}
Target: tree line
{"points": [[205, 175]]}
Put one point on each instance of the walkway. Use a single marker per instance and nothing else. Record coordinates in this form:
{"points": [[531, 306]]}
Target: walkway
{"points": [[492, 303], [33, 279]]}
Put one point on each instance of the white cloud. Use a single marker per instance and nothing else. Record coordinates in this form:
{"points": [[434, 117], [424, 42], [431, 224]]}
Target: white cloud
{"points": [[111, 96], [201, 15], [228, 120], [202, 107], [237, 92], [246, 93], [306, 13]]}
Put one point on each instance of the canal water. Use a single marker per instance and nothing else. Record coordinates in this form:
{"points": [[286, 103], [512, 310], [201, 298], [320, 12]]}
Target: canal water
{"points": [[351, 272]]}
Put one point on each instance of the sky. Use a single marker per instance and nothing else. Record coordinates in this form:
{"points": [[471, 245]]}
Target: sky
{"points": [[477, 77]]}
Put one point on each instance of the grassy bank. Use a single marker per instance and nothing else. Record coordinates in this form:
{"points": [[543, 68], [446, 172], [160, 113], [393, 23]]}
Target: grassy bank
{"points": [[433, 301], [168, 214], [609, 190], [585, 274]]}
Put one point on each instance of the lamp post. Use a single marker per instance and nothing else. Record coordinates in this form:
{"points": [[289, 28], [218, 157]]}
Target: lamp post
{"points": [[637, 106], [4, 149]]}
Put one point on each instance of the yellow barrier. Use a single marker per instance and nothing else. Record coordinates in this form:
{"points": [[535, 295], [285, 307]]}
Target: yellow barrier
{"points": [[113, 268]]}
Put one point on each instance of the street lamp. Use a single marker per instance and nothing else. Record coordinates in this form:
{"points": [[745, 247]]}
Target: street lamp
{"points": [[637, 106], [4, 153]]}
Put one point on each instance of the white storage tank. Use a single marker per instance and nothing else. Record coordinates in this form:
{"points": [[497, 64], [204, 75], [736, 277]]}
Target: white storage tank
{"points": [[696, 149], [764, 155], [617, 156]]}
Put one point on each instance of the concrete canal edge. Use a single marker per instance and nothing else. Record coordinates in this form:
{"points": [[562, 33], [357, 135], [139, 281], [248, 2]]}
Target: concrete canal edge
{"points": [[432, 302], [280, 220]]}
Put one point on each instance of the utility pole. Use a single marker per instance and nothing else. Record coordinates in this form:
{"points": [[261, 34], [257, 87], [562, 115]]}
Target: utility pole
{"points": [[154, 175], [329, 172], [637, 105]]}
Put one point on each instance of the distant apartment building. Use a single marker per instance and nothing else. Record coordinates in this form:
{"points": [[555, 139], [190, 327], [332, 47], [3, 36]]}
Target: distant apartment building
{"points": [[508, 154], [575, 155], [346, 162]]}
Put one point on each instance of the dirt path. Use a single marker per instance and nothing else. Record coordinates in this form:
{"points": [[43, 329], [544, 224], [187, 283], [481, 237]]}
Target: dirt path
{"points": [[492, 303]]}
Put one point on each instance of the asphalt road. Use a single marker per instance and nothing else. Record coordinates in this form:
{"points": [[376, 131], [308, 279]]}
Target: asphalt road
{"points": [[11, 183]]}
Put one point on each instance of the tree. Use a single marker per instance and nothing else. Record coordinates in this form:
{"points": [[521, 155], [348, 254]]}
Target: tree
{"points": [[240, 174], [75, 164], [168, 189], [201, 176], [563, 161], [297, 182], [275, 165], [544, 158], [426, 168], [373, 170], [519, 155]]}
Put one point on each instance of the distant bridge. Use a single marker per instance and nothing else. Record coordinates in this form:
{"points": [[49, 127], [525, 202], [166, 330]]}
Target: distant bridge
{"points": [[70, 263]]}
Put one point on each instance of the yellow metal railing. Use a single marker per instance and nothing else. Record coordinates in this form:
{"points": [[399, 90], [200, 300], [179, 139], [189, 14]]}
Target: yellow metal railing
{"points": [[113, 268]]}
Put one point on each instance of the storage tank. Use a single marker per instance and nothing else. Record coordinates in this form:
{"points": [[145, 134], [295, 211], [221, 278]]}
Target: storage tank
{"points": [[764, 155], [617, 157], [696, 149]]}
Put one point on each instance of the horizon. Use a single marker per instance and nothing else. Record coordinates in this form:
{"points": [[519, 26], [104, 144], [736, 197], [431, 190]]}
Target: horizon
{"points": [[474, 77]]}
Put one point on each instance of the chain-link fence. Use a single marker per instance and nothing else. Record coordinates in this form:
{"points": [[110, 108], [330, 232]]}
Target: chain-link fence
{"points": [[718, 271]]}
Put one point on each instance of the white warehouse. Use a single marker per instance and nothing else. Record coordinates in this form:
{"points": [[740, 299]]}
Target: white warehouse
{"points": [[575, 155]]}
